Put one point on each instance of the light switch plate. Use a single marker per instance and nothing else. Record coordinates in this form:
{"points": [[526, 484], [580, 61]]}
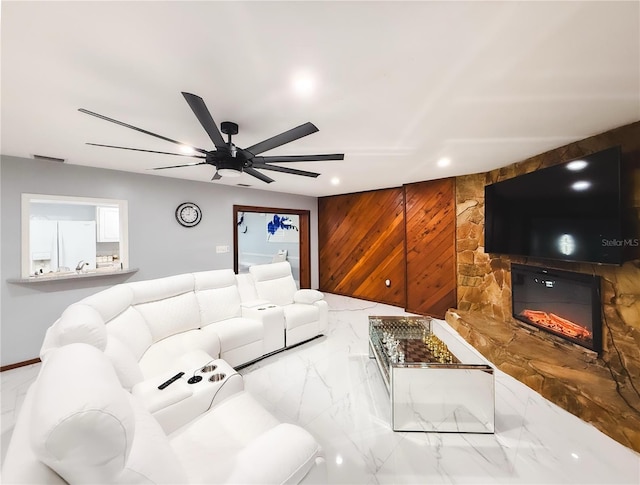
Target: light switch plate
{"points": [[222, 249]]}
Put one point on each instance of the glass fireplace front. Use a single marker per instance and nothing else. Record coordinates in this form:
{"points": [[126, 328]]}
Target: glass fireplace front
{"points": [[564, 303]]}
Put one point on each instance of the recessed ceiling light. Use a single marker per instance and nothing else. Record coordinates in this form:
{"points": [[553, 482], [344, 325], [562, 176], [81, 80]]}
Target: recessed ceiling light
{"points": [[304, 84], [335, 181], [187, 150], [576, 165], [444, 162], [581, 185]]}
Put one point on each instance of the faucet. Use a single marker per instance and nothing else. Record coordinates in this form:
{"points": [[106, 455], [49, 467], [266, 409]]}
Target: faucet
{"points": [[81, 264]]}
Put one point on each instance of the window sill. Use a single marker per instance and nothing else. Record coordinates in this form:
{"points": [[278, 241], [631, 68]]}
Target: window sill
{"points": [[53, 277]]}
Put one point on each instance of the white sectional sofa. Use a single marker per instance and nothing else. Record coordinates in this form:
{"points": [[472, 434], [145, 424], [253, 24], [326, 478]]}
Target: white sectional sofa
{"points": [[79, 425], [151, 327], [143, 333]]}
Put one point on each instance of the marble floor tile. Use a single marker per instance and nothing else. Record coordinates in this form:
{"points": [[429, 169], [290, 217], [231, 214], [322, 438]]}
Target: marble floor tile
{"points": [[340, 397]]}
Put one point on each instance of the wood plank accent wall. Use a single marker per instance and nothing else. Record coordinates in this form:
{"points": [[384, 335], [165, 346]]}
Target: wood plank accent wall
{"points": [[361, 244], [430, 219]]}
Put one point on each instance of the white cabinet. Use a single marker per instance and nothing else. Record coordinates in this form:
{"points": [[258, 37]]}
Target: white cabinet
{"points": [[108, 224]]}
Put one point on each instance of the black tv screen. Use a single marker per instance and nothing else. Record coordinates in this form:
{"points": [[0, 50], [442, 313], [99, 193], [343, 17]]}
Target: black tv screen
{"points": [[568, 212]]}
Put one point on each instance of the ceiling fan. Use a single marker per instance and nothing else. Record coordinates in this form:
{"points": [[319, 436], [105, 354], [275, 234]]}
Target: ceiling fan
{"points": [[230, 160]]}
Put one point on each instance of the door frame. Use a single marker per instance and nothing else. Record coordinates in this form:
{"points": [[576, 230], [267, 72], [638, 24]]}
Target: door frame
{"points": [[305, 235]]}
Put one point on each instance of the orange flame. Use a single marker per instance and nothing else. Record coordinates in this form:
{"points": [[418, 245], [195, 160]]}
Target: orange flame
{"points": [[557, 324]]}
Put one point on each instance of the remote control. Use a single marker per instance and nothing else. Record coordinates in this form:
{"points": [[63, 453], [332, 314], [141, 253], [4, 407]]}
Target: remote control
{"points": [[171, 381]]}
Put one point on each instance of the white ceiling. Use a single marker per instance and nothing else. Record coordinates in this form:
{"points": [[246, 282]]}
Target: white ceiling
{"points": [[398, 85]]}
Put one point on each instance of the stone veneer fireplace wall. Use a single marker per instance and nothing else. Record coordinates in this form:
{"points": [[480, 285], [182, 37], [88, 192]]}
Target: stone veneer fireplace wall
{"points": [[604, 391]]}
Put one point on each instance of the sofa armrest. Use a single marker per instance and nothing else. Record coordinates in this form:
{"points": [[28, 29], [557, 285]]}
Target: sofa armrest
{"points": [[307, 296], [272, 319], [180, 403], [283, 454], [155, 399]]}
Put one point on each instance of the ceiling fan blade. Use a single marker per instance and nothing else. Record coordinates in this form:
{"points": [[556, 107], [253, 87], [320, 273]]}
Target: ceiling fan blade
{"points": [[276, 168], [126, 125], [258, 175], [299, 158], [178, 166], [147, 151], [216, 176], [283, 138], [204, 117]]}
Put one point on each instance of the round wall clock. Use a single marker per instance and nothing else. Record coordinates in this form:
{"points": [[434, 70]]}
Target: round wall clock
{"points": [[188, 214]]}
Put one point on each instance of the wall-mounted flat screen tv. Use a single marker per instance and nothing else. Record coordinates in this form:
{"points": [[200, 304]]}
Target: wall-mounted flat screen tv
{"points": [[568, 212]]}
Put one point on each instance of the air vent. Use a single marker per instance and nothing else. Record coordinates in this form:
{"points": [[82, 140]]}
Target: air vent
{"points": [[48, 158], [243, 185]]}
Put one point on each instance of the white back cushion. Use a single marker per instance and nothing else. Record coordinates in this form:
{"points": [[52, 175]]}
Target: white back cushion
{"points": [[246, 287], [131, 329], [110, 302], [168, 305], [160, 288], [124, 363], [217, 295], [171, 316], [274, 282]]}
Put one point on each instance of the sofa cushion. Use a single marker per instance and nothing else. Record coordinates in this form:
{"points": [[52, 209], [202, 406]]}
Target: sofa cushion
{"points": [[218, 304], [81, 323], [111, 302], [21, 465], [82, 424], [237, 421], [131, 329], [161, 288], [88, 429], [171, 315], [124, 363], [283, 454], [165, 354], [274, 282], [246, 287], [236, 332], [217, 294], [213, 279], [300, 314]]}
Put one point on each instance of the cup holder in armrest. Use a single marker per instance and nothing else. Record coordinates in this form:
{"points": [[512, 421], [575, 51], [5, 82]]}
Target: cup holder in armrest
{"points": [[208, 368], [217, 377]]}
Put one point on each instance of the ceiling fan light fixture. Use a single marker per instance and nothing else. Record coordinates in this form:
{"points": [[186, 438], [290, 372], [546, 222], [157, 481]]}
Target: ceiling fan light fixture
{"points": [[229, 172]]}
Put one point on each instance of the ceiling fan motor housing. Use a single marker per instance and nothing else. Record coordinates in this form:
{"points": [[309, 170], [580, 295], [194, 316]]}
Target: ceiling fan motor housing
{"points": [[229, 128]]}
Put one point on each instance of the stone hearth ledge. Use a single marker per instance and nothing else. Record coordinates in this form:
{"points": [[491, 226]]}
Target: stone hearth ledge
{"points": [[571, 377]]}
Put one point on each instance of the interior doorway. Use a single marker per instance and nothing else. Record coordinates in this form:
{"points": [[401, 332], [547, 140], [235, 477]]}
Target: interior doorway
{"points": [[266, 234]]}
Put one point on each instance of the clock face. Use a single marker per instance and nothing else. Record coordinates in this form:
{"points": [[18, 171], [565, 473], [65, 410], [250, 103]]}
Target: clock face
{"points": [[188, 214]]}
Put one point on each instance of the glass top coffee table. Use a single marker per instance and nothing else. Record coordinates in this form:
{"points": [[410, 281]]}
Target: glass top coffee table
{"points": [[436, 382]]}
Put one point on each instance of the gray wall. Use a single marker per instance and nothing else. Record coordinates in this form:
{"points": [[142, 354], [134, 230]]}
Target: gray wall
{"points": [[158, 245]]}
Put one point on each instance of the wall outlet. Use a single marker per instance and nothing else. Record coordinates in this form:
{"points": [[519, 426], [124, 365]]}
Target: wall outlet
{"points": [[222, 249]]}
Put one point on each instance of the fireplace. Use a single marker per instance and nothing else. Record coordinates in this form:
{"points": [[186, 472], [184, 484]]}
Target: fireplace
{"points": [[563, 303]]}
